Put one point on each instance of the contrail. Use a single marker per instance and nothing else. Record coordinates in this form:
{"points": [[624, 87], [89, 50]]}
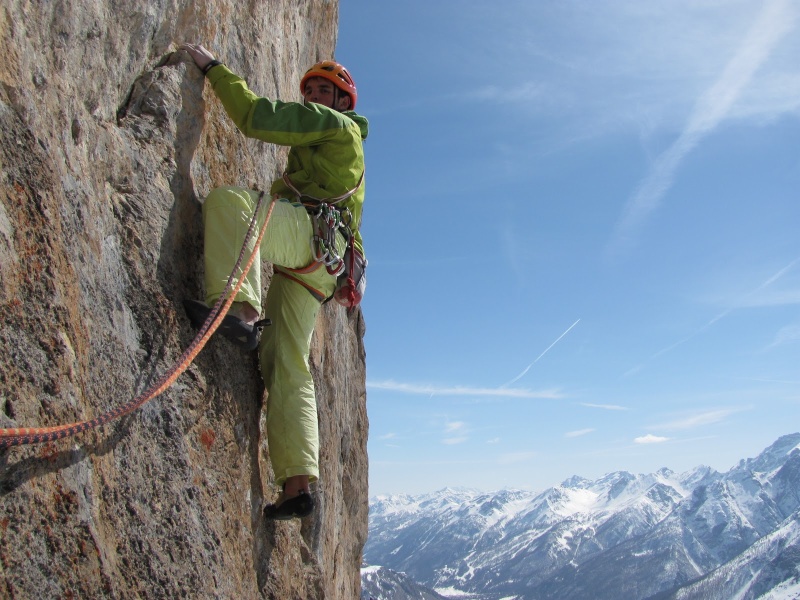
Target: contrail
{"points": [[528, 368], [712, 108], [720, 316]]}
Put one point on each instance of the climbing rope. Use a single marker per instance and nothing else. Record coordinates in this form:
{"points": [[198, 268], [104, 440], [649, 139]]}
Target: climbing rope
{"points": [[36, 435]]}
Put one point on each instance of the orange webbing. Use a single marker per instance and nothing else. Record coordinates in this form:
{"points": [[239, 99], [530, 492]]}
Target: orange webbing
{"points": [[309, 268], [35, 435], [319, 296]]}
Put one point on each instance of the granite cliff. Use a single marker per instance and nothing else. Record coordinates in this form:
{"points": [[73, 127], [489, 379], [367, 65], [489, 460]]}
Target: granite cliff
{"points": [[109, 139]]}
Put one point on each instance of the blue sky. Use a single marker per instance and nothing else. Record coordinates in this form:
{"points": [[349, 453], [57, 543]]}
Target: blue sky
{"points": [[582, 225]]}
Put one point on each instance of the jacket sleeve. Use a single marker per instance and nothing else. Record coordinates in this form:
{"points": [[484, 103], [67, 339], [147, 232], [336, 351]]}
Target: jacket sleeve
{"points": [[274, 121]]}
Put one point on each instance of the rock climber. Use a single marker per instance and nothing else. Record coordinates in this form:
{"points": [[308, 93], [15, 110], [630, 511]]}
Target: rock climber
{"points": [[312, 234]]}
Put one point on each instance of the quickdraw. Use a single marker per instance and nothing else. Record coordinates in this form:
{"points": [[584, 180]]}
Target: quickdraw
{"points": [[327, 221], [35, 435]]}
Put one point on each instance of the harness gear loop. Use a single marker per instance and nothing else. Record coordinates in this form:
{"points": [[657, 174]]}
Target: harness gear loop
{"points": [[35, 435], [314, 200]]}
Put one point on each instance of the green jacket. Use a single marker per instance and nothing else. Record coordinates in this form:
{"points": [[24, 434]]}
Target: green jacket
{"points": [[326, 158]]}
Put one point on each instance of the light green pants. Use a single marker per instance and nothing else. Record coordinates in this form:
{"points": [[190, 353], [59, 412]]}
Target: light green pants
{"points": [[292, 429]]}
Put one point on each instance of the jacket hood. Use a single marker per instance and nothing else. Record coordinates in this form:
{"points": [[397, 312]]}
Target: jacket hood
{"points": [[360, 120]]}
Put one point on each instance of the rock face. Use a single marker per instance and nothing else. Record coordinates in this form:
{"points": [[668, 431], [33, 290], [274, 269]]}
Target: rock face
{"points": [[108, 142]]}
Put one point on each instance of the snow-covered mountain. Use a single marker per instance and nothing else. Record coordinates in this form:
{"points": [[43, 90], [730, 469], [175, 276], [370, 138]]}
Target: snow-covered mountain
{"points": [[700, 534], [769, 569], [380, 583]]}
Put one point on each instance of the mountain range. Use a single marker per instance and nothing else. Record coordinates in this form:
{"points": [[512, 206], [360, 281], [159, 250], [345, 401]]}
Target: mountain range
{"points": [[661, 536]]}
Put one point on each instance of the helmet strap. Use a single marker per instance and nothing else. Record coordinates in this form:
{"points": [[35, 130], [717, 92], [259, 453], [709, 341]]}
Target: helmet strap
{"points": [[337, 95]]}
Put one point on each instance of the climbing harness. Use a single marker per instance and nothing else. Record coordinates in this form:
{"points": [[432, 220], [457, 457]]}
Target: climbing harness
{"points": [[328, 219], [314, 200], [35, 435]]}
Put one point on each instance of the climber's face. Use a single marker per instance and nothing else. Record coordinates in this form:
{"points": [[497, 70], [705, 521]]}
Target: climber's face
{"points": [[321, 91]]}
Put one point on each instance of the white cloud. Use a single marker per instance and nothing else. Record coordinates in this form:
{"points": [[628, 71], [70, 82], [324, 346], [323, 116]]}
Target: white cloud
{"points": [[454, 440], [454, 426], [790, 334], [578, 433], [455, 432], [711, 108], [643, 62], [777, 298], [650, 439], [604, 406], [755, 298], [767, 294], [433, 390], [700, 419]]}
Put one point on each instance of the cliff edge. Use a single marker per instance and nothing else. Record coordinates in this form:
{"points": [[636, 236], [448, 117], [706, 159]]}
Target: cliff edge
{"points": [[109, 140]]}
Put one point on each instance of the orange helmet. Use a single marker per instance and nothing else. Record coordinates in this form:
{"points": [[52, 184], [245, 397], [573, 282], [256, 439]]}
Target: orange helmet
{"points": [[335, 73]]}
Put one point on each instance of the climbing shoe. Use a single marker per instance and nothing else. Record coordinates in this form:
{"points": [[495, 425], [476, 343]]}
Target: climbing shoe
{"points": [[237, 331], [298, 507]]}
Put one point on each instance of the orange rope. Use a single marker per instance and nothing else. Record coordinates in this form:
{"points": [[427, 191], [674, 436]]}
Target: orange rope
{"points": [[35, 435]]}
